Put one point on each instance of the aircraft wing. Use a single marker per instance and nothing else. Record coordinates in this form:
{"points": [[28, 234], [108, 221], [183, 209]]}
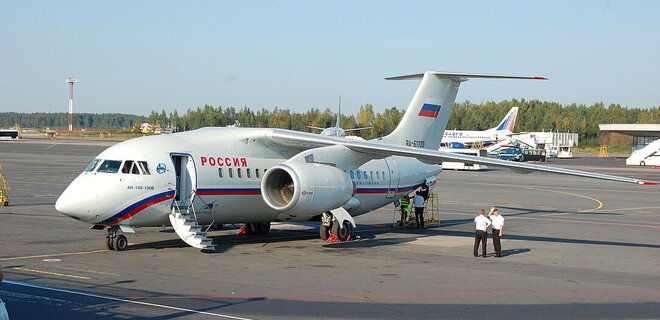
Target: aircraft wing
{"points": [[357, 129], [380, 150]]}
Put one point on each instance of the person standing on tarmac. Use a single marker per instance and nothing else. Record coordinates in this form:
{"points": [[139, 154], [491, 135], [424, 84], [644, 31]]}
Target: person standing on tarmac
{"points": [[481, 235], [405, 209], [418, 203], [497, 221]]}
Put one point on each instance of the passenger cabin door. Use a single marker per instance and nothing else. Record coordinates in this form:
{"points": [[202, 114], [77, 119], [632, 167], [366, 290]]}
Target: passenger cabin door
{"points": [[186, 180], [393, 174]]}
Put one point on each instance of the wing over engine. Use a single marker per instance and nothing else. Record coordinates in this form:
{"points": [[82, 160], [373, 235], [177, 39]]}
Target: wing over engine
{"points": [[377, 149], [305, 189]]}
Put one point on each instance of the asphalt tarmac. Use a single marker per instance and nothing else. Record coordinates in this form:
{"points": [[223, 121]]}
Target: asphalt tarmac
{"points": [[573, 248]]}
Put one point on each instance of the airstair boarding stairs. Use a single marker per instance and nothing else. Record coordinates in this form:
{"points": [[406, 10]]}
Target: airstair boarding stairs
{"points": [[183, 216], [186, 227], [496, 146]]}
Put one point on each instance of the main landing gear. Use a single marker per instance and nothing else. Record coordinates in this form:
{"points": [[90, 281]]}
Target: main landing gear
{"points": [[258, 228], [115, 241], [330, 225]]}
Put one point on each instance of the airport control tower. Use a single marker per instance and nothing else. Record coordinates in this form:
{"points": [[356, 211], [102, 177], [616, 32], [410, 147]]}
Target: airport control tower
{"points": [[71, 81]]}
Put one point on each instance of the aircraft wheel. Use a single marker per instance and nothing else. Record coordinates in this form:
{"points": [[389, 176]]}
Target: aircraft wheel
{"points": [[108, 243], [324, 232], [642, 163], [6, 203], [259, 228], [342, 233], [120, 242]]}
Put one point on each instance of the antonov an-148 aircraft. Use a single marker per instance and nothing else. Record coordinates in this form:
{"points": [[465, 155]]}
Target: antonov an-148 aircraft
{"points": [[466, 138], [257, 176]]}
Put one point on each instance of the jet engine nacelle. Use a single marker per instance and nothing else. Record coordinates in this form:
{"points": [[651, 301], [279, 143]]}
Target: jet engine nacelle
{"points": [[306, 188]]}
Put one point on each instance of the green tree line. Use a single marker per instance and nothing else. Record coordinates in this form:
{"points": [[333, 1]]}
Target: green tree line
{"points": [[534, 115], [42, 120]]}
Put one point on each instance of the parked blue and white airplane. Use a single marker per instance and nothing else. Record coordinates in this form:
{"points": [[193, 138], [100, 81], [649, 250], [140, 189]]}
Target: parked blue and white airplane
{"points": [[465, 138], [258, 176]]}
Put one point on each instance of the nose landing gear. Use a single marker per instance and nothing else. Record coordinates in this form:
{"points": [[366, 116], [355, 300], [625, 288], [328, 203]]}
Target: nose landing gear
{"points": [[114, 241]]}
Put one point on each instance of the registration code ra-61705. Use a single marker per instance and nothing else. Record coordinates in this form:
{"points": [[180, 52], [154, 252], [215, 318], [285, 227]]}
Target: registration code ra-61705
{"points": [[415, 143]]}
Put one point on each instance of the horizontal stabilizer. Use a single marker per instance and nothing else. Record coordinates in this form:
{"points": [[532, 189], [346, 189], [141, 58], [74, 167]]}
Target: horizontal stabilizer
{"points": [[462, 76]]}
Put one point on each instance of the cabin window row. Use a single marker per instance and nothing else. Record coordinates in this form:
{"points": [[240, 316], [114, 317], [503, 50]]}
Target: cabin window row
{"points": [[359, 174], [239, 173], [249, 173]]}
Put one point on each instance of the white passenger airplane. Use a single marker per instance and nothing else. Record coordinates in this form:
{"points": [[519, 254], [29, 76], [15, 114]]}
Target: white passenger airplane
{"points": [[337, 130], [465, 138], [257, 176]]}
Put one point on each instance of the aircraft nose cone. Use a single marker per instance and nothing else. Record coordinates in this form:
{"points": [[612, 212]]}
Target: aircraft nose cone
{"points": [[67, 206], [72, 203]]}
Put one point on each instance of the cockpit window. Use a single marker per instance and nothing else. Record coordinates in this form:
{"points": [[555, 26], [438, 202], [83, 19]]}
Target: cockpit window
{"points": [[110, 166], [92, 165], [144, 167], [130, 166]]}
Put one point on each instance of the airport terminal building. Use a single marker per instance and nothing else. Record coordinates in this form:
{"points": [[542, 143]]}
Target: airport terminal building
{"points": [[646, 141]]}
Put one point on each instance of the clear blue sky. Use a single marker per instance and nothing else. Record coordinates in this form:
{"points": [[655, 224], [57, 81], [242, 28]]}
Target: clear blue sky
{"points": [[138, 56]]}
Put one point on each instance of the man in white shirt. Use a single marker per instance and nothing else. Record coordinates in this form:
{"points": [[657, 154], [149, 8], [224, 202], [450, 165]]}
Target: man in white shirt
{"points": [[418, 203], [497, 221], [480, 235]]}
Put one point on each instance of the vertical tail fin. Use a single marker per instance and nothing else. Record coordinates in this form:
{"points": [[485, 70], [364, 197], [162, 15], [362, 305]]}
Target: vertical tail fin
{"points": [[509, 121], [426, 117], [338, 124]]}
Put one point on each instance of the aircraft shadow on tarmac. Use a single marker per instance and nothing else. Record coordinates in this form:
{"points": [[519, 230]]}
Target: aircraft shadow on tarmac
{"points": [[367, 236], [226, 241]]}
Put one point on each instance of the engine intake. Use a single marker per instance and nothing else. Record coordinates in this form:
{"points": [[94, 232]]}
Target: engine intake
{"points": [[306, 188]]}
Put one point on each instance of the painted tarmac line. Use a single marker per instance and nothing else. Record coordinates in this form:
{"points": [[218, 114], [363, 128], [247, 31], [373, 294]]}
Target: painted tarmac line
{"points": [[64, 275], [88, 271], [148, 304], [407, 296], [600, 203], [53, 255]]}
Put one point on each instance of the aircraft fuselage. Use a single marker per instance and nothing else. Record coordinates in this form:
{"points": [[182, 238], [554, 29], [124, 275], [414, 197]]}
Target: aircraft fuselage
{"points": [[228, 166]]}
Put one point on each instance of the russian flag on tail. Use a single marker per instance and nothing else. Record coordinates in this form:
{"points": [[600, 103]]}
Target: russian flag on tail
{"points": [[429, 110]]}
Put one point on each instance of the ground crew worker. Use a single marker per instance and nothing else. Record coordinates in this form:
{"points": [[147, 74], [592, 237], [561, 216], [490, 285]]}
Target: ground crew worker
{"points": [[418, 203], [480, 235], [424, 191], [405, 209], [497, 221]]}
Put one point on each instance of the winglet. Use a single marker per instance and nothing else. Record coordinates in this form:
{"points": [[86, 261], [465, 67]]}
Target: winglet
{"points": [[647, 182]]}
